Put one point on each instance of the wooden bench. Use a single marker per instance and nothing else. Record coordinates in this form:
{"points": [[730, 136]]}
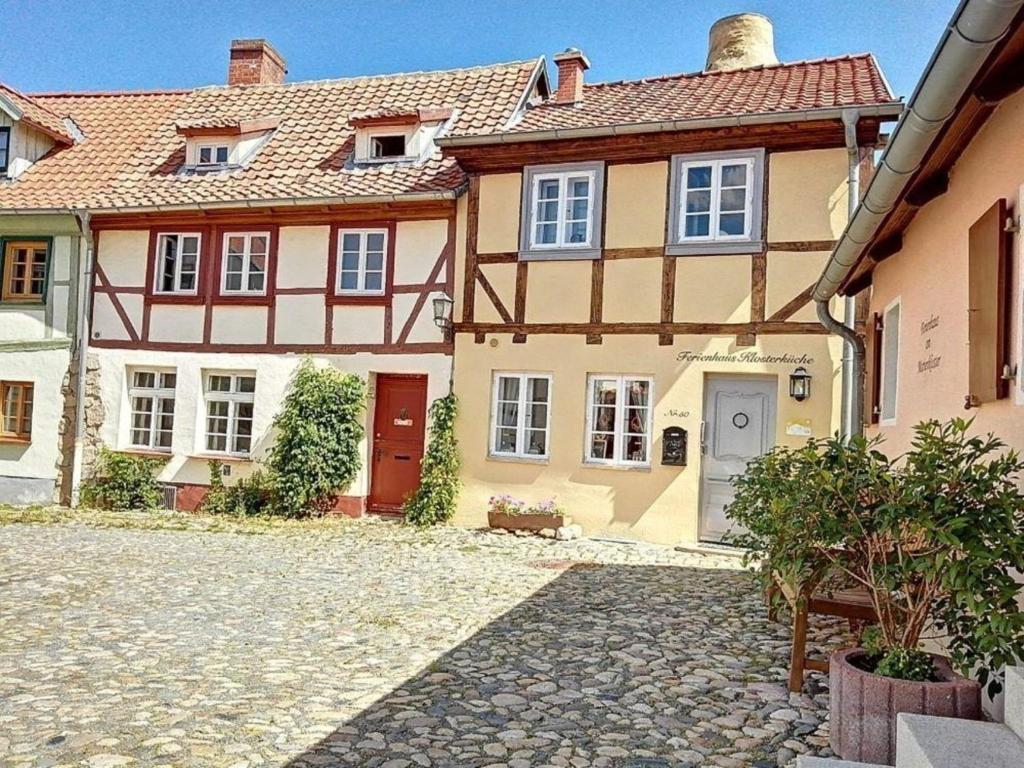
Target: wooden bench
{"points": [[854, 605]]}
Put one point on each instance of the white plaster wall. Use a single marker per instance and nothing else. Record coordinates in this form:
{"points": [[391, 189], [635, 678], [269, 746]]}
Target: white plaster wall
{"points": [[299, 320], [22, 324], [354, 324], [302, 254], [123, 255], [239, 325], [171, 322], [46, 370], [60, 266], [417, 246], [107, 324], [423, 328], [187, 462]]}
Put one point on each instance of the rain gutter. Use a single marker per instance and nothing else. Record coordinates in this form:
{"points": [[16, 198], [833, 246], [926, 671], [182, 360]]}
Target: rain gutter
{"points": [[973, 33], [888, 109]]}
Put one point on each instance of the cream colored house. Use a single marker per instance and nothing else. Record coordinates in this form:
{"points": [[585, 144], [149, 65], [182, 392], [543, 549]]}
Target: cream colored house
{"points": [[633, 272]]}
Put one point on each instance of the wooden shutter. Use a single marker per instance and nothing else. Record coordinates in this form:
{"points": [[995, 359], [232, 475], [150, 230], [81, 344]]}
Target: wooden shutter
{"points": [[988, 308], [874, 373]]}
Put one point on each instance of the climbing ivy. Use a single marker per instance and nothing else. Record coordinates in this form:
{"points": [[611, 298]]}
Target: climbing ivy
{"points": [[434, 501], [319, 429]]}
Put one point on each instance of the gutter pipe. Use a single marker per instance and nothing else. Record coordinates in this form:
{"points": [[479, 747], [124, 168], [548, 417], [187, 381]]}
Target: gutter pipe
{"points": [[82, 328], [976, 28]]}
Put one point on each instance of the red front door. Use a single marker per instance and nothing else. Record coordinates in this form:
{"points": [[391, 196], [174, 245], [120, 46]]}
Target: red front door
{"points": [[399, 421]]}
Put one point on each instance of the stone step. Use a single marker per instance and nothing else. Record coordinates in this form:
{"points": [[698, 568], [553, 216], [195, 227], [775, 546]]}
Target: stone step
{"points": [[1013, 713], [947, 742], [824, 762]]}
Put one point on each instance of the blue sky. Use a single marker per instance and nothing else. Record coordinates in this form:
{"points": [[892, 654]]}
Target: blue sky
{"points": [[91, 45]]}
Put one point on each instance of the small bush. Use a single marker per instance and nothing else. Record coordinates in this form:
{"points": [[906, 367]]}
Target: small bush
{"points": [[121, 481], [249, 497], [316, 455], [434, 500]]}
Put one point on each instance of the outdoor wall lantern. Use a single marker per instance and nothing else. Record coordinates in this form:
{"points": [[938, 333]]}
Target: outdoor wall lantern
{"points": [[443, 312], [800, 384]]}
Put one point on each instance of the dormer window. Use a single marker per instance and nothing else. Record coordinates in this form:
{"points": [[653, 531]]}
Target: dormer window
{"points": [[397, 134], [213, 154], [387, 145], [5, 145]]}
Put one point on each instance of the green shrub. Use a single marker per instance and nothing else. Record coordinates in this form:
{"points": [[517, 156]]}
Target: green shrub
{"points": [[248, 497], [316, 455], [434, 500], [934, 537], [122, 481]]}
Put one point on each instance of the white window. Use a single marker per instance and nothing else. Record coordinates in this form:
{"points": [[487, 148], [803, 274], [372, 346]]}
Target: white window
{"points": [[716, 202], [245, 262], [229, 409], [387, 145], [717, 199], [177, 263], [520, 415], [212, 154], [362, 255], [151, 395], [619, 419], [890, 361], [563, 210]]}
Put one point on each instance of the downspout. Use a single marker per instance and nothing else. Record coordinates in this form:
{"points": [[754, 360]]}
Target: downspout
{"points": [[84, 294], [852, 379]]}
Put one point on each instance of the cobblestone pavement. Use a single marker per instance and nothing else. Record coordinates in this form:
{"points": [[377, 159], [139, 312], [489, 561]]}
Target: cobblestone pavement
{"points": [[370, 644]]}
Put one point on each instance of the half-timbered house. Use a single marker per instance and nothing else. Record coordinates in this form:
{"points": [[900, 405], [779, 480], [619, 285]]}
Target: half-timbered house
{"points": [[41, 294], [239, 228], [633, 281]]}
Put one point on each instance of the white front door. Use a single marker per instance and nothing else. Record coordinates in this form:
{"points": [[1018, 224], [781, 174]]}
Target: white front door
{"points": [[739, 425]]}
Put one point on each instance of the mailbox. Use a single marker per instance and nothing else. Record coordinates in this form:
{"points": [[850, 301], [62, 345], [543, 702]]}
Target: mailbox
{"points": [[673, 446]]}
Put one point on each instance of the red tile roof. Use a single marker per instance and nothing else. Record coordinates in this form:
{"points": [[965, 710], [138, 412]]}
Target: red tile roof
{"points": [[132, 152], [36, 115], [805, 85]]}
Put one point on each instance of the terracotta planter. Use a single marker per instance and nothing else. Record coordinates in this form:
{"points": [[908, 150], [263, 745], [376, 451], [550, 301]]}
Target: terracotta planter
{"points": [[863, 706], [525, 522]]}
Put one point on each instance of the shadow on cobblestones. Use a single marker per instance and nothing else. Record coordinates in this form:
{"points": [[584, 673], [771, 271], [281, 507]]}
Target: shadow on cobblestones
{"points": [[606, 665]]}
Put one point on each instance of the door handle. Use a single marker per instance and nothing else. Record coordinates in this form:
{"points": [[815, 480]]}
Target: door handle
{"points": [[377, 454], [703, 445], [402, 457]]}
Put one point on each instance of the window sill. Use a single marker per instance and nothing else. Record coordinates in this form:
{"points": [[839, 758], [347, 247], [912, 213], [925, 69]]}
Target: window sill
{"points": [[243, 299], [617, 467], [561, 254], [518, 459], [145, 452], [11, 440], [15, 304], [372, 300], [713, 248], [174, 298], [221, 457]]}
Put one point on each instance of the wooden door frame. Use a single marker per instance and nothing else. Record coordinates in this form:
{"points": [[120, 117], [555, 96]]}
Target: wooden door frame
{"points": [[371, 444]]}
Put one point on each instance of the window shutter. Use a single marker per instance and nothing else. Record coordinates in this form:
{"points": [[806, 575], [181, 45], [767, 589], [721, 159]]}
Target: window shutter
{"points": [[988, 309], [874, 389]]}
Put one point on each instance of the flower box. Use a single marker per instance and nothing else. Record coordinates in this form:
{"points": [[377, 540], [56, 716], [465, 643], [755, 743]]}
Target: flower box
{"points": [[527, 521]]}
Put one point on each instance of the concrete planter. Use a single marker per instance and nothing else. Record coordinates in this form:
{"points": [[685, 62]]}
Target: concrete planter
{"points": [[527, 522], [863, 706]]}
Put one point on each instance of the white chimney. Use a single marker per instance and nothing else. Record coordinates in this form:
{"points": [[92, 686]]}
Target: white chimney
{"points": [[742, 40]]}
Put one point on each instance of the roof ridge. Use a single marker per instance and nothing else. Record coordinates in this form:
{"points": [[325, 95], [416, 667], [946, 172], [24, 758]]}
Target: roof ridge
{"points": [[379, 76], [755, 68], [102, 94]]}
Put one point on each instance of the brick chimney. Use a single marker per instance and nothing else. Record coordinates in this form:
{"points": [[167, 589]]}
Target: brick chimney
{"points": [[571, 65], [255, 62]]}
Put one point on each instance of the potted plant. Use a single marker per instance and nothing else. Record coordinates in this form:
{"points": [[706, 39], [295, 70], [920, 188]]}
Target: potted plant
{"points": [[512, 514], [933, 537]]}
